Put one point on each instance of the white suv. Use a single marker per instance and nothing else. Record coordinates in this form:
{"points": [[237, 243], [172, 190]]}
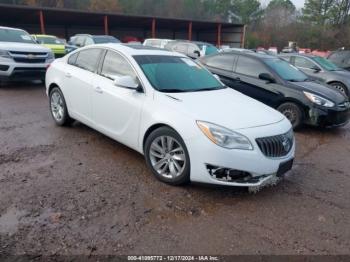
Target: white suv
{"points": [[21, 58]]}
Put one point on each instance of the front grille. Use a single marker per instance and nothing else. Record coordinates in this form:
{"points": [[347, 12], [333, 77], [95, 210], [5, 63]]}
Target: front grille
{"points": [[27, 53], [276, 146], [29, 61]]}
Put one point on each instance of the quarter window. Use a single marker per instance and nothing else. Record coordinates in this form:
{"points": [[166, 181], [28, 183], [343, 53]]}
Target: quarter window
{"points": [[250, 67], [88, 59], [224, 62], [116, 65], [73, 58]]}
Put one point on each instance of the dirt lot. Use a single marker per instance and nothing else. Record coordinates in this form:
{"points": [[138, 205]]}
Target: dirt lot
{"points": [[75, 191]]}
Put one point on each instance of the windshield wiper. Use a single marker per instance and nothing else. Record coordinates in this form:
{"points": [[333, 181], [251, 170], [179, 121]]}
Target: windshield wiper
{"points": [[297, 80], [208, 89], [172, 90]]}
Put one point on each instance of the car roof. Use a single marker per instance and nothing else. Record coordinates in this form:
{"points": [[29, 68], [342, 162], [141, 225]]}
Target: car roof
{"points": [[296, 54], [11, 28], [136, 49], [250, 54]]}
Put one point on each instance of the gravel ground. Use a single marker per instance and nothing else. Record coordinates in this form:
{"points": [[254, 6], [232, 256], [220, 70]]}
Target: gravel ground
{"points": [[74, 191]]}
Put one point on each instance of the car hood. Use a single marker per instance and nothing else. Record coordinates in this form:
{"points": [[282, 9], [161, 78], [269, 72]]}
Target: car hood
{"points": [[322, 90], [23, 47], [225, 107], [52, 46]]}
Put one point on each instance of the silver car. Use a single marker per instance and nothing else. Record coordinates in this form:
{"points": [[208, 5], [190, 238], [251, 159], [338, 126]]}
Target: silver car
{"points": [[321, 69]]}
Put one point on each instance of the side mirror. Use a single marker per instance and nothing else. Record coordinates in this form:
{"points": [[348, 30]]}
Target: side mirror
{"points": [[197, 53], [127, 82], [316, 69], [267, 77]]}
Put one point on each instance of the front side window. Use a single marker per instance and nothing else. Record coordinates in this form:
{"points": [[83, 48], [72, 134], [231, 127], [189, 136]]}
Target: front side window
{"points": [[17, 36], [303, 63], [250, 67], [88, 59], [328, 65], [285, 70], [116, 65], [224, 62], [176, 74]]}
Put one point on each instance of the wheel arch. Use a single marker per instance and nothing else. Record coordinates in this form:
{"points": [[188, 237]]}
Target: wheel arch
{"points": [[347, 88], [151, 129], [292, 100]]}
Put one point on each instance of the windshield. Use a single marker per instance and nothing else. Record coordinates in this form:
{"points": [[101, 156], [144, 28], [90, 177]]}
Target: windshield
{"points": [[285, 70], [172, 74], [326, 64], [49, 40], [18, 36], [105, 39]]}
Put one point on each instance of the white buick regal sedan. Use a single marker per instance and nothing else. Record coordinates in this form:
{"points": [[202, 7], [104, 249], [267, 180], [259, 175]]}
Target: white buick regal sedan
{"points": [[186, 123]]}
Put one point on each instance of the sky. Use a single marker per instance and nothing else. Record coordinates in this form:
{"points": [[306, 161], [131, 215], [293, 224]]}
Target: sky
{"points": [[297, 3]]}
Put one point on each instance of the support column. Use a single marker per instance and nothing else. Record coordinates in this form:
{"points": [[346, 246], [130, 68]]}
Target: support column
{"points": [[42, 22], [219, 35], [105, 21], [190, 31], [243, 36], [153, 28]]}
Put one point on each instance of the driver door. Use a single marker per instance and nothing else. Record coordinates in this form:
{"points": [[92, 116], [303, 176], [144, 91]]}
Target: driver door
{"points": [[117, 110]]}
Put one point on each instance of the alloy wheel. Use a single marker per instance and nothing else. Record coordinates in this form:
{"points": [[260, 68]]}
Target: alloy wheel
{"points": [[57, 106], [167, 157]]}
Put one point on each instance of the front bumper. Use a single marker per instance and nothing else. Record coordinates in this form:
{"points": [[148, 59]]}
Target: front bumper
{"points": [[11, 70], [260, 170], [332, 117]]}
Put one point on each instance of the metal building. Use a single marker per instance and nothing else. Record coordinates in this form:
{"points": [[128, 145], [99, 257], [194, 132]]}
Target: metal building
{"points": [[67, 22]]}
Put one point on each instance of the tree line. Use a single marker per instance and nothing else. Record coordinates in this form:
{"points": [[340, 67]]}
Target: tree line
{"points": [[320, 24]]}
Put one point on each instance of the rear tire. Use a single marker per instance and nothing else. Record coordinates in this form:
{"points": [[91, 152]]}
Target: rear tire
{"points": [[167, 156], [58, 108], [293, 113]]}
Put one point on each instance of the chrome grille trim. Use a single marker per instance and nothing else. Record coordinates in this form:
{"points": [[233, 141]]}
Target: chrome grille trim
{"points": [[276, 146]]}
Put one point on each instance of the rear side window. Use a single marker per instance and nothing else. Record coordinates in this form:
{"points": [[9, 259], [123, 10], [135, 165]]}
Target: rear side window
{"points": [[250, 67], [116, 65], [224, 62], [88, 59]]}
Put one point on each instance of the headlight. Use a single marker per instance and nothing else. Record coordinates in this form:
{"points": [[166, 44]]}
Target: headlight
{"points": [[224, 137], [4, 53], [318, 100], [50, 55]]}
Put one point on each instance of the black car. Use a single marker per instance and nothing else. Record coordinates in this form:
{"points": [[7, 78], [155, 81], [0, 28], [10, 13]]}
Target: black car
{"points": [[341, 58], [280, 85]]}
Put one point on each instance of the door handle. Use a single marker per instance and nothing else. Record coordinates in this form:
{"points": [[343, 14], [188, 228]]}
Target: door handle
{"points": [[98, 90], [238, 79], [69, 75]]}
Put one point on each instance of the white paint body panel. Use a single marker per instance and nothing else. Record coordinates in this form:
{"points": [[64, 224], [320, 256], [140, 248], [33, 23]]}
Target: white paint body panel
{"points": [[125, 115]]}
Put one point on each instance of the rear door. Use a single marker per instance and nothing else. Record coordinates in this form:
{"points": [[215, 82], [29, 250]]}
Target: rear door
{"points": [[117, 110], [78, 77], [222, 66], [246, 73]]}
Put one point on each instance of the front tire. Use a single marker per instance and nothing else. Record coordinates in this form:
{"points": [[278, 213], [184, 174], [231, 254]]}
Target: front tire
{"points": [[58, 108], [293, 113], [340, 87], [167, 156]]}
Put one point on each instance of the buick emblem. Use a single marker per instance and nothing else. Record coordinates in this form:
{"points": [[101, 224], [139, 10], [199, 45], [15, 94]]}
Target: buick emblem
{"points": [[286, 143], [31, 56]]}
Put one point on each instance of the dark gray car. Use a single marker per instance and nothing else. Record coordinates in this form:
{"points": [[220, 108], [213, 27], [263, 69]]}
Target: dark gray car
{"points": [[321, 69]]}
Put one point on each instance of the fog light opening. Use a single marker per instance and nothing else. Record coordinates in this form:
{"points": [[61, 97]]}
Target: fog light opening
{"points": [[228, 174]]}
